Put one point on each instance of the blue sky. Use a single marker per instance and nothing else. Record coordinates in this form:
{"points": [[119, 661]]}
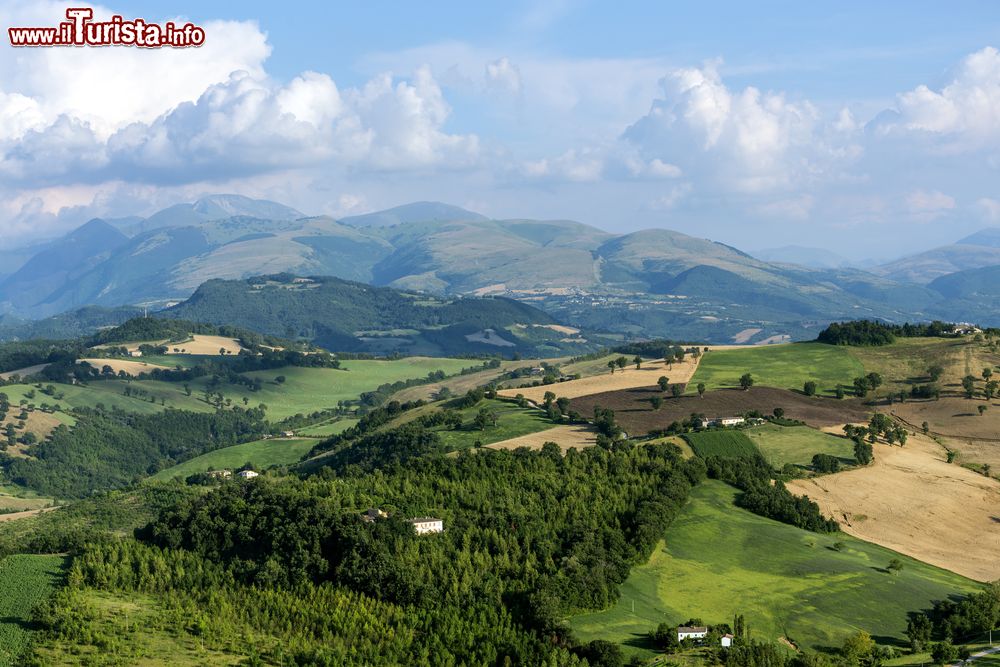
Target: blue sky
{"points": [[758, 124]]}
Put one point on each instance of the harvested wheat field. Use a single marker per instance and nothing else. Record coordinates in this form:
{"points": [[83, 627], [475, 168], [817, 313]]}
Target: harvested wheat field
{"points": [[957, 417], [207, 345], [914, 502], [629, 377], [38, 422], [576, 436], [634, 410], [133, 368]]}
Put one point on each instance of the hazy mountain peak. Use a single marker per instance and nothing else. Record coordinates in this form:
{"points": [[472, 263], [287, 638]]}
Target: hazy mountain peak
{"points": [[217, 207], [421, 211], [989, 237], [817, 258]]}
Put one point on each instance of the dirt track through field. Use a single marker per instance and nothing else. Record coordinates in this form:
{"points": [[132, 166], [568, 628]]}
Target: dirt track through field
{"points": [[629, 377], [567, 437], [913, 501], [14, 516], [23, 372]]}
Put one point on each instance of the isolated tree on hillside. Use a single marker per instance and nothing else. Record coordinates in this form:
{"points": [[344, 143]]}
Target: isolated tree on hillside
{"points": [[990, 390], [701, 390], [778, 413], [548, 397], [863, 452], [637, 360], [987, 373], [621, 362], [982, 410], [935, 372], [969, 385], [612, 366], [656, 402], [839, 392], [746, 381], [677, 390], [809, 388], [663, 383]]}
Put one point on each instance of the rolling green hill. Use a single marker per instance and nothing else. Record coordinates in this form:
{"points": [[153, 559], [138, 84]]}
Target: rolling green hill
{"points": [[719, 560], [346, 316]]}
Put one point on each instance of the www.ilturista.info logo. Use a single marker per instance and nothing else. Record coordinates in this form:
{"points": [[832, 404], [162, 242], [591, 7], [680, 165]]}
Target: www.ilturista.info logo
{"points": [[82, 30]]}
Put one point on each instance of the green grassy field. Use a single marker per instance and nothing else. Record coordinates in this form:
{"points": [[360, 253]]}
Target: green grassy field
{"points": [[719, 560], [798, 444], [307, 390], [781, 366], [326, 429], [109, 393], [513, 422], [261, 453], [130, 629], [728, 444], [25, 581]]}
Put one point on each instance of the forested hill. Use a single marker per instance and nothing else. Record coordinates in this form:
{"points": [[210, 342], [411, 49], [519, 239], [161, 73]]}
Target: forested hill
{"points": [[349, 316]]}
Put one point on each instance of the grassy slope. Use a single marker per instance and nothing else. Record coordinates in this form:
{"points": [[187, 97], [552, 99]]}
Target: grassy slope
{"points": [[25, 581], [307, 390], [719, 560], [781, 366], [907, 360], [328, 428], [513, 422], [261, 453], [135, 632], [798, 444]]}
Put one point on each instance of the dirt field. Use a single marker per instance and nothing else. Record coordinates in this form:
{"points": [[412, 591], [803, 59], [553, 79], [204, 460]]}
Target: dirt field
{"points": [[198, 344], [22, 372], [14, 516], [134, 368], [574, 436], [628, 378], [912, 501], [958, 424], [634, 412]]}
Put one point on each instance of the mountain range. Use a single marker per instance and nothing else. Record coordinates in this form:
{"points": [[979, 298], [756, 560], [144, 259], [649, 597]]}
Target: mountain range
{"points": [[649, 282]]}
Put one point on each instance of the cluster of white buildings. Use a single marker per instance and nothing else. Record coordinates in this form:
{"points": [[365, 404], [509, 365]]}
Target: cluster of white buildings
{"points": [[700, 632]]}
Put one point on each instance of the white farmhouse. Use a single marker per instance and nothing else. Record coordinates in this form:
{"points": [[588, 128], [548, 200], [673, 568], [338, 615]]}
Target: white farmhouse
{"points": [[247, 474], [426, 525], [726, 641], [691, 632]]}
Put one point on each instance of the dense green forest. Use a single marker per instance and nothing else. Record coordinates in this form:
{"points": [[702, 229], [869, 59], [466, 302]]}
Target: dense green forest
{"points": [[288, 570], [112, 449], [331, 312], [868, 332]]}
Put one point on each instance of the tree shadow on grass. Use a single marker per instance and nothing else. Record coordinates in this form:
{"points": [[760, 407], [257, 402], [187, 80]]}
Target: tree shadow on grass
{"points": [[640, 641]]}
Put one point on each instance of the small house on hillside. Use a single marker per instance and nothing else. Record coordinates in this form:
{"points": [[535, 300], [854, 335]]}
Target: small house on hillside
{"points": [[288, 434], [220, 474], [247, 474], [691, 632], [374, 514], [426, 525], [726, 421], [726, 641], [135, 353]]}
